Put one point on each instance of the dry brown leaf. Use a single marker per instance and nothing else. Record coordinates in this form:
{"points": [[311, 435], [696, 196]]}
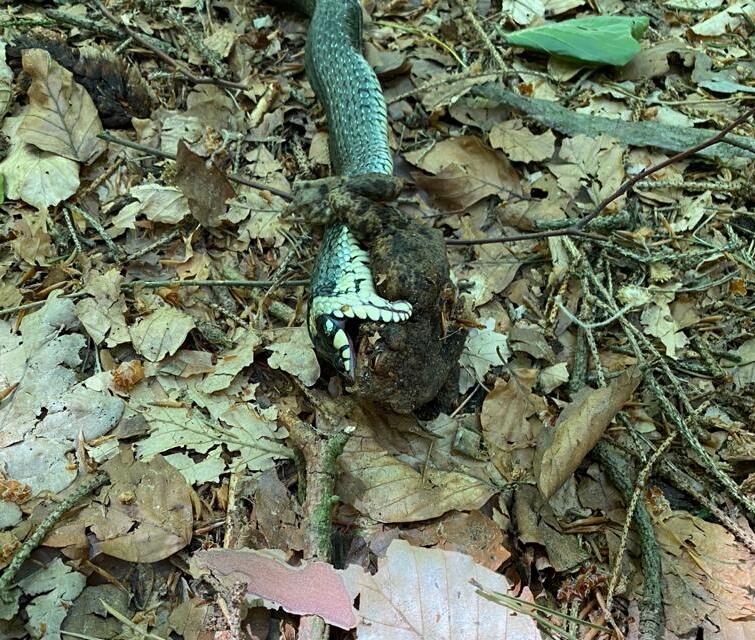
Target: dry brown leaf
{"points": [[205, 187], [465, 171], [520, 144], [579, 427], [510, 423], [144, 515], [62, 118], [707, 572], [390, 490], [427, 593], [476, 535]]}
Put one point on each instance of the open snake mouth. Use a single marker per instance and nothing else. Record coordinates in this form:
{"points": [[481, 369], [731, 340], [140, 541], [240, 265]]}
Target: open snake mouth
{"points": [[342, 293]]}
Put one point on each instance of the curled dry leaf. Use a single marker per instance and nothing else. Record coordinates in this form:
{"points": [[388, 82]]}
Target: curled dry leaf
{"points": [[579, 427]]}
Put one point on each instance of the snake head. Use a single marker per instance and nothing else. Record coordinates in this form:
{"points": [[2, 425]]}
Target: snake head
{"points": [[332, 342]]}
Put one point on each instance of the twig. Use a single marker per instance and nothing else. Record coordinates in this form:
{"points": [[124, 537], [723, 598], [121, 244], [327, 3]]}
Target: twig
{"points": [[320, 456], [33, 541], [651, 612], [469, 14]]}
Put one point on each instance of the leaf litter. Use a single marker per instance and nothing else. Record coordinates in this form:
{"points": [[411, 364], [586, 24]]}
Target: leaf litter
{"points": [[181, 391]]}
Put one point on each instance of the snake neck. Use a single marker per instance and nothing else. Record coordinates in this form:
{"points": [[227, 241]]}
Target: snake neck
{"points": [[348, 89]]}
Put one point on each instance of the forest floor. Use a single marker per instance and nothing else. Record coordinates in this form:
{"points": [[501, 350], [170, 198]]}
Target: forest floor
{"points": [[175, 463]]}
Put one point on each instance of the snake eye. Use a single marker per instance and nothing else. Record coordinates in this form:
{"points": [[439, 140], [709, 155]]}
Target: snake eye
{"points": [[332, 341]]}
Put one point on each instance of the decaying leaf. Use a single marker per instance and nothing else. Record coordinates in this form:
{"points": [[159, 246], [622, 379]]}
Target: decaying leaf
{"points": [[62, 118], [579, 427], [310, 589]]}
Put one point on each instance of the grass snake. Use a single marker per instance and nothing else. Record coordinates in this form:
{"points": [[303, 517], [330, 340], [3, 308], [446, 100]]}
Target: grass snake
{"points": [[342, 288]]}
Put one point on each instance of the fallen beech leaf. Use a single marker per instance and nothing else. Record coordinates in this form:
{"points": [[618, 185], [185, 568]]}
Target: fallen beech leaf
{"points": [[148, 516], [465, 170], [206, 196], [160, 333], [427, 593], [292, 351], [37, 177], [62, 118], [520, 144], [579, 427], [392, 490]]}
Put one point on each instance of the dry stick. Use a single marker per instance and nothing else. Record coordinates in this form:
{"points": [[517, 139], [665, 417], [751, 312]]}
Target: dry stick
{"points": [[179, 66], [636, 338], [577, 228], [33, 541], [618, 469], [469, 14], [639, 486], [651, 612], [320, 456]]}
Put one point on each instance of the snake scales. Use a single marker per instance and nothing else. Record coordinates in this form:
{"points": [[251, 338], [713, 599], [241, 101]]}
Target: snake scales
{"points": [[408, 345]]}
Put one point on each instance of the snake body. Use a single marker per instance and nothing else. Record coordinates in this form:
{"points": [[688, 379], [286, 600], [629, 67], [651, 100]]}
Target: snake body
{"points": [[342, 285]]}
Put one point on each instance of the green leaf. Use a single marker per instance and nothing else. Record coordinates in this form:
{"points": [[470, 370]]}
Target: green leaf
{"points": [[598, 40]]}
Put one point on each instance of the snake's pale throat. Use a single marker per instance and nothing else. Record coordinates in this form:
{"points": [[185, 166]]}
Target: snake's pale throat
{"points": [[342, 290]]}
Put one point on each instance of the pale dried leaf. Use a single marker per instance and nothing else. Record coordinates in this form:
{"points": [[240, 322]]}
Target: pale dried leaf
{"points": [[579, 427], [62, 118], [37, 177], [161, 332], [659, 322], [197, 472], [103, 315], [231, 363], [49, 407], [292, 351], [6, 82], [485, 348], [523, 12], [161, 203], [744, 372], [739, 12], [54, 587], [465, 171], [520, 144], [510, 423], [422, 593]]}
